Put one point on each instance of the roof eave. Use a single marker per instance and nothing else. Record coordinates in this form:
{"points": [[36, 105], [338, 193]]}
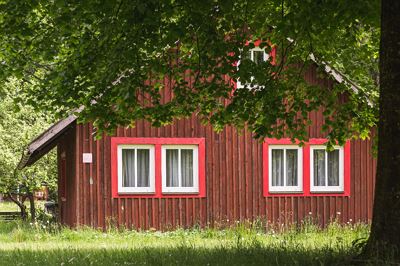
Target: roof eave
{"points": [[44, 142]]}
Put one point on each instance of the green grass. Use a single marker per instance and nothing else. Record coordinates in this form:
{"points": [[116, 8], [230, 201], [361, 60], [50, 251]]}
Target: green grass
{"points": [[7, 206], [24, 244]]}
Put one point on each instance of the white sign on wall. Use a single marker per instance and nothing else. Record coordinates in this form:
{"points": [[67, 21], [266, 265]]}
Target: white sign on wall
{"points": [[87, 158]]}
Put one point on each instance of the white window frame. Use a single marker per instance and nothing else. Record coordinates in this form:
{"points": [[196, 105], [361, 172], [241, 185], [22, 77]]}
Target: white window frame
{"points": [[327, 188], [239, 85], [286, 189], [195, 188], [137, 190]]}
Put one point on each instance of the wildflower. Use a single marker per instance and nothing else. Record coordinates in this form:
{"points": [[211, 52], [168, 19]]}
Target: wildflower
{"points": [[350, 220], [309, 213], [338, 213]]}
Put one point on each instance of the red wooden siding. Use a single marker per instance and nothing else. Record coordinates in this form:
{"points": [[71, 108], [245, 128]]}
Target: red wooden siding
{"points": [[66, 173], [234, 182]]}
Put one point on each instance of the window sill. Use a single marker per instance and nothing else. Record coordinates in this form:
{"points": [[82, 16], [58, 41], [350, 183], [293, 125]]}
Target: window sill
{"points": [[136, 193], [304, 195], [178, 195], [326, 192], [180, 192], [286, 192]]}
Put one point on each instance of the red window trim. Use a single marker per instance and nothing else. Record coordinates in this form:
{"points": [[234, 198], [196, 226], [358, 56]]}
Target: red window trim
{"points": [[157, 142], [306, 169]]}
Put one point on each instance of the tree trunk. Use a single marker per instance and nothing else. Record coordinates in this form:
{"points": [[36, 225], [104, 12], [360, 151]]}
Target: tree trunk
{"points": [[32, 206], [21, 206], [384, 240]]}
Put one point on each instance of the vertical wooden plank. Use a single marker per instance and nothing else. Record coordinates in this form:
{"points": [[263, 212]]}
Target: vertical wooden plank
{"points": [[357, 179], [249, 176], [242, 179], [109, 206], [228, 164], [78, 176], [222, 174], [94, 176]]}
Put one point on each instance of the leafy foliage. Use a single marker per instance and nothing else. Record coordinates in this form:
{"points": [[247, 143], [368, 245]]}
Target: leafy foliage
{"points": [[19, 124], [112, 57]]}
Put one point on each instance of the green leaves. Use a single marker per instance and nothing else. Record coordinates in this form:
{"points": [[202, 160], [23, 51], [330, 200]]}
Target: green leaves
{"points": [[126, 56], [19, 124]]}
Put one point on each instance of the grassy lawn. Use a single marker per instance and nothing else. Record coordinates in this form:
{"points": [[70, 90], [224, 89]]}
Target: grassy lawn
{"points": [[8, 206], [24, 244]]}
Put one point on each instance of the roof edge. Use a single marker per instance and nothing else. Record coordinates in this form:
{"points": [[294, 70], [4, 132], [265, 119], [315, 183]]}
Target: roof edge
{"points": [[43, 140]]}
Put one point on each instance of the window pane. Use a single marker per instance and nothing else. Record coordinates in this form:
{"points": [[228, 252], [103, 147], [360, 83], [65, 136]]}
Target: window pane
{"points": [[319, 167], [172, 164], [258, 57], [187, 167], [333, 168], [277, 167], [143, 167], [291, 168], [128, 167]]}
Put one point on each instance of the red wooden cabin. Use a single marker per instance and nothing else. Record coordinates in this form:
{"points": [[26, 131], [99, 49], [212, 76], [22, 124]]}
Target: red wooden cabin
{"points": [[185, 174]]}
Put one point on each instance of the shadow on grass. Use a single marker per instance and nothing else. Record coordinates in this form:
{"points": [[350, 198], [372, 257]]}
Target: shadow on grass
{"points": [[184, 255]]}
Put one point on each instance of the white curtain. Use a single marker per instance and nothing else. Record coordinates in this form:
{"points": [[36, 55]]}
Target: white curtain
{"points": [[187, 167], [143, 163], [291, 167], [277, 167], [333, 168], [172, 164], [319, 167], [128, 167]]}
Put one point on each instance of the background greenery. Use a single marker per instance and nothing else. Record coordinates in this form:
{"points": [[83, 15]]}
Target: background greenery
{"points": [[19, 124]]}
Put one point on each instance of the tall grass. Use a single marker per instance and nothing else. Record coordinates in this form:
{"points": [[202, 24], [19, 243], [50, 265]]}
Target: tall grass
{"points": [[241, 244]]}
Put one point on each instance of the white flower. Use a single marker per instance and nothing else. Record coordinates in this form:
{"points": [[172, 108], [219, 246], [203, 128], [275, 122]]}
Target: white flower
{"points": [[309, 213], [338, 213]]}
